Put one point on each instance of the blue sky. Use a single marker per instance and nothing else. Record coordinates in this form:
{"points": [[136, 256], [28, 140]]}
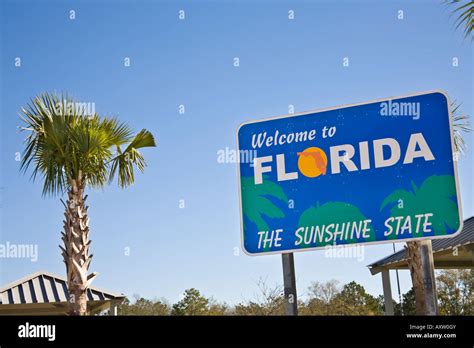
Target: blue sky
{"points": [[190, 62]]}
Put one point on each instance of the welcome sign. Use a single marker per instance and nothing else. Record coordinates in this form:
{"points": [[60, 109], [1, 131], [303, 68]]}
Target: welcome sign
{"points": [[376, 172]]}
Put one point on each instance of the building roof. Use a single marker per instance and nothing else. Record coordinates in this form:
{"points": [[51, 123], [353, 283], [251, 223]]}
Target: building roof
{"points": [[442, 252], [45, 290]]}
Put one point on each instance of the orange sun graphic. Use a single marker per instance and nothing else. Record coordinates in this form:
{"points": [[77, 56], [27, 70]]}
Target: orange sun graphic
{"points": [[312, 162]]}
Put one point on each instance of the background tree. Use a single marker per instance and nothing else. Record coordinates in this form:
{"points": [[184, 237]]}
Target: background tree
{"points": [[193, 303], [268, 301], [456, 292], [74, 151], [455, 289], [216, 308], [354, 300], [408, 306], [321, 298], [142, 306], [330, 299]]}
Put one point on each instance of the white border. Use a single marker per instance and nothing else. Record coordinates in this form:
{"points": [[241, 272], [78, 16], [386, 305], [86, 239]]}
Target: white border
{"points": [[456, 179]]}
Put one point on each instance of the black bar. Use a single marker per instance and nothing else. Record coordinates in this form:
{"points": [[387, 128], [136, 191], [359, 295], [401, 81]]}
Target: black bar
{"points": [[378, 330]]}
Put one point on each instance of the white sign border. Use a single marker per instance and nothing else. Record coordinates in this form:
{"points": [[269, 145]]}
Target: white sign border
{"points": [[379, 100]]}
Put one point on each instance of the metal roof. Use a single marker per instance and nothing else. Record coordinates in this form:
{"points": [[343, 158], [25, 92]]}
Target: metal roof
{"points": [[464, 238], [44, 287]]}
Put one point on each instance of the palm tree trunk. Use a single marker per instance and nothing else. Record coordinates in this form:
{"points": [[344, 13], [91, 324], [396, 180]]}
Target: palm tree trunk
{"points": [[416, 271], [76, 248]]}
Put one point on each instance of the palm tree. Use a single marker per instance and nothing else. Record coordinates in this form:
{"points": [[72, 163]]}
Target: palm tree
{"points": [[464, 12], [72, 152], [256, 203]]}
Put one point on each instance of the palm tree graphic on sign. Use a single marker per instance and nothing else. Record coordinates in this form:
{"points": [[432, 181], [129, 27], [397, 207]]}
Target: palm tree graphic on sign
{"points": [[256, 202], [436, 195]]}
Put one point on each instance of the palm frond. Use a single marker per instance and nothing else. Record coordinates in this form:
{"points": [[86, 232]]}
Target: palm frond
{"points": [[464, 11], [125, 160], [461, 125], [63, 143]]}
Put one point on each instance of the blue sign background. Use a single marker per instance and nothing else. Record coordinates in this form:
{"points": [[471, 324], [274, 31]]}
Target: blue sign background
{"points": [[364, 189]]}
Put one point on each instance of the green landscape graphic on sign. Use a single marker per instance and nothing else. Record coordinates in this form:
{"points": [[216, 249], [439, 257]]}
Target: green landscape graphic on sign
{"points": [[337, 213], [265, 204]]}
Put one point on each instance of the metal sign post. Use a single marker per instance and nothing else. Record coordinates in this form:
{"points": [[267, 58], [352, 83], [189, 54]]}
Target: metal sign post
{"points": [[289, 283], [429, 284], [398, 286]]}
